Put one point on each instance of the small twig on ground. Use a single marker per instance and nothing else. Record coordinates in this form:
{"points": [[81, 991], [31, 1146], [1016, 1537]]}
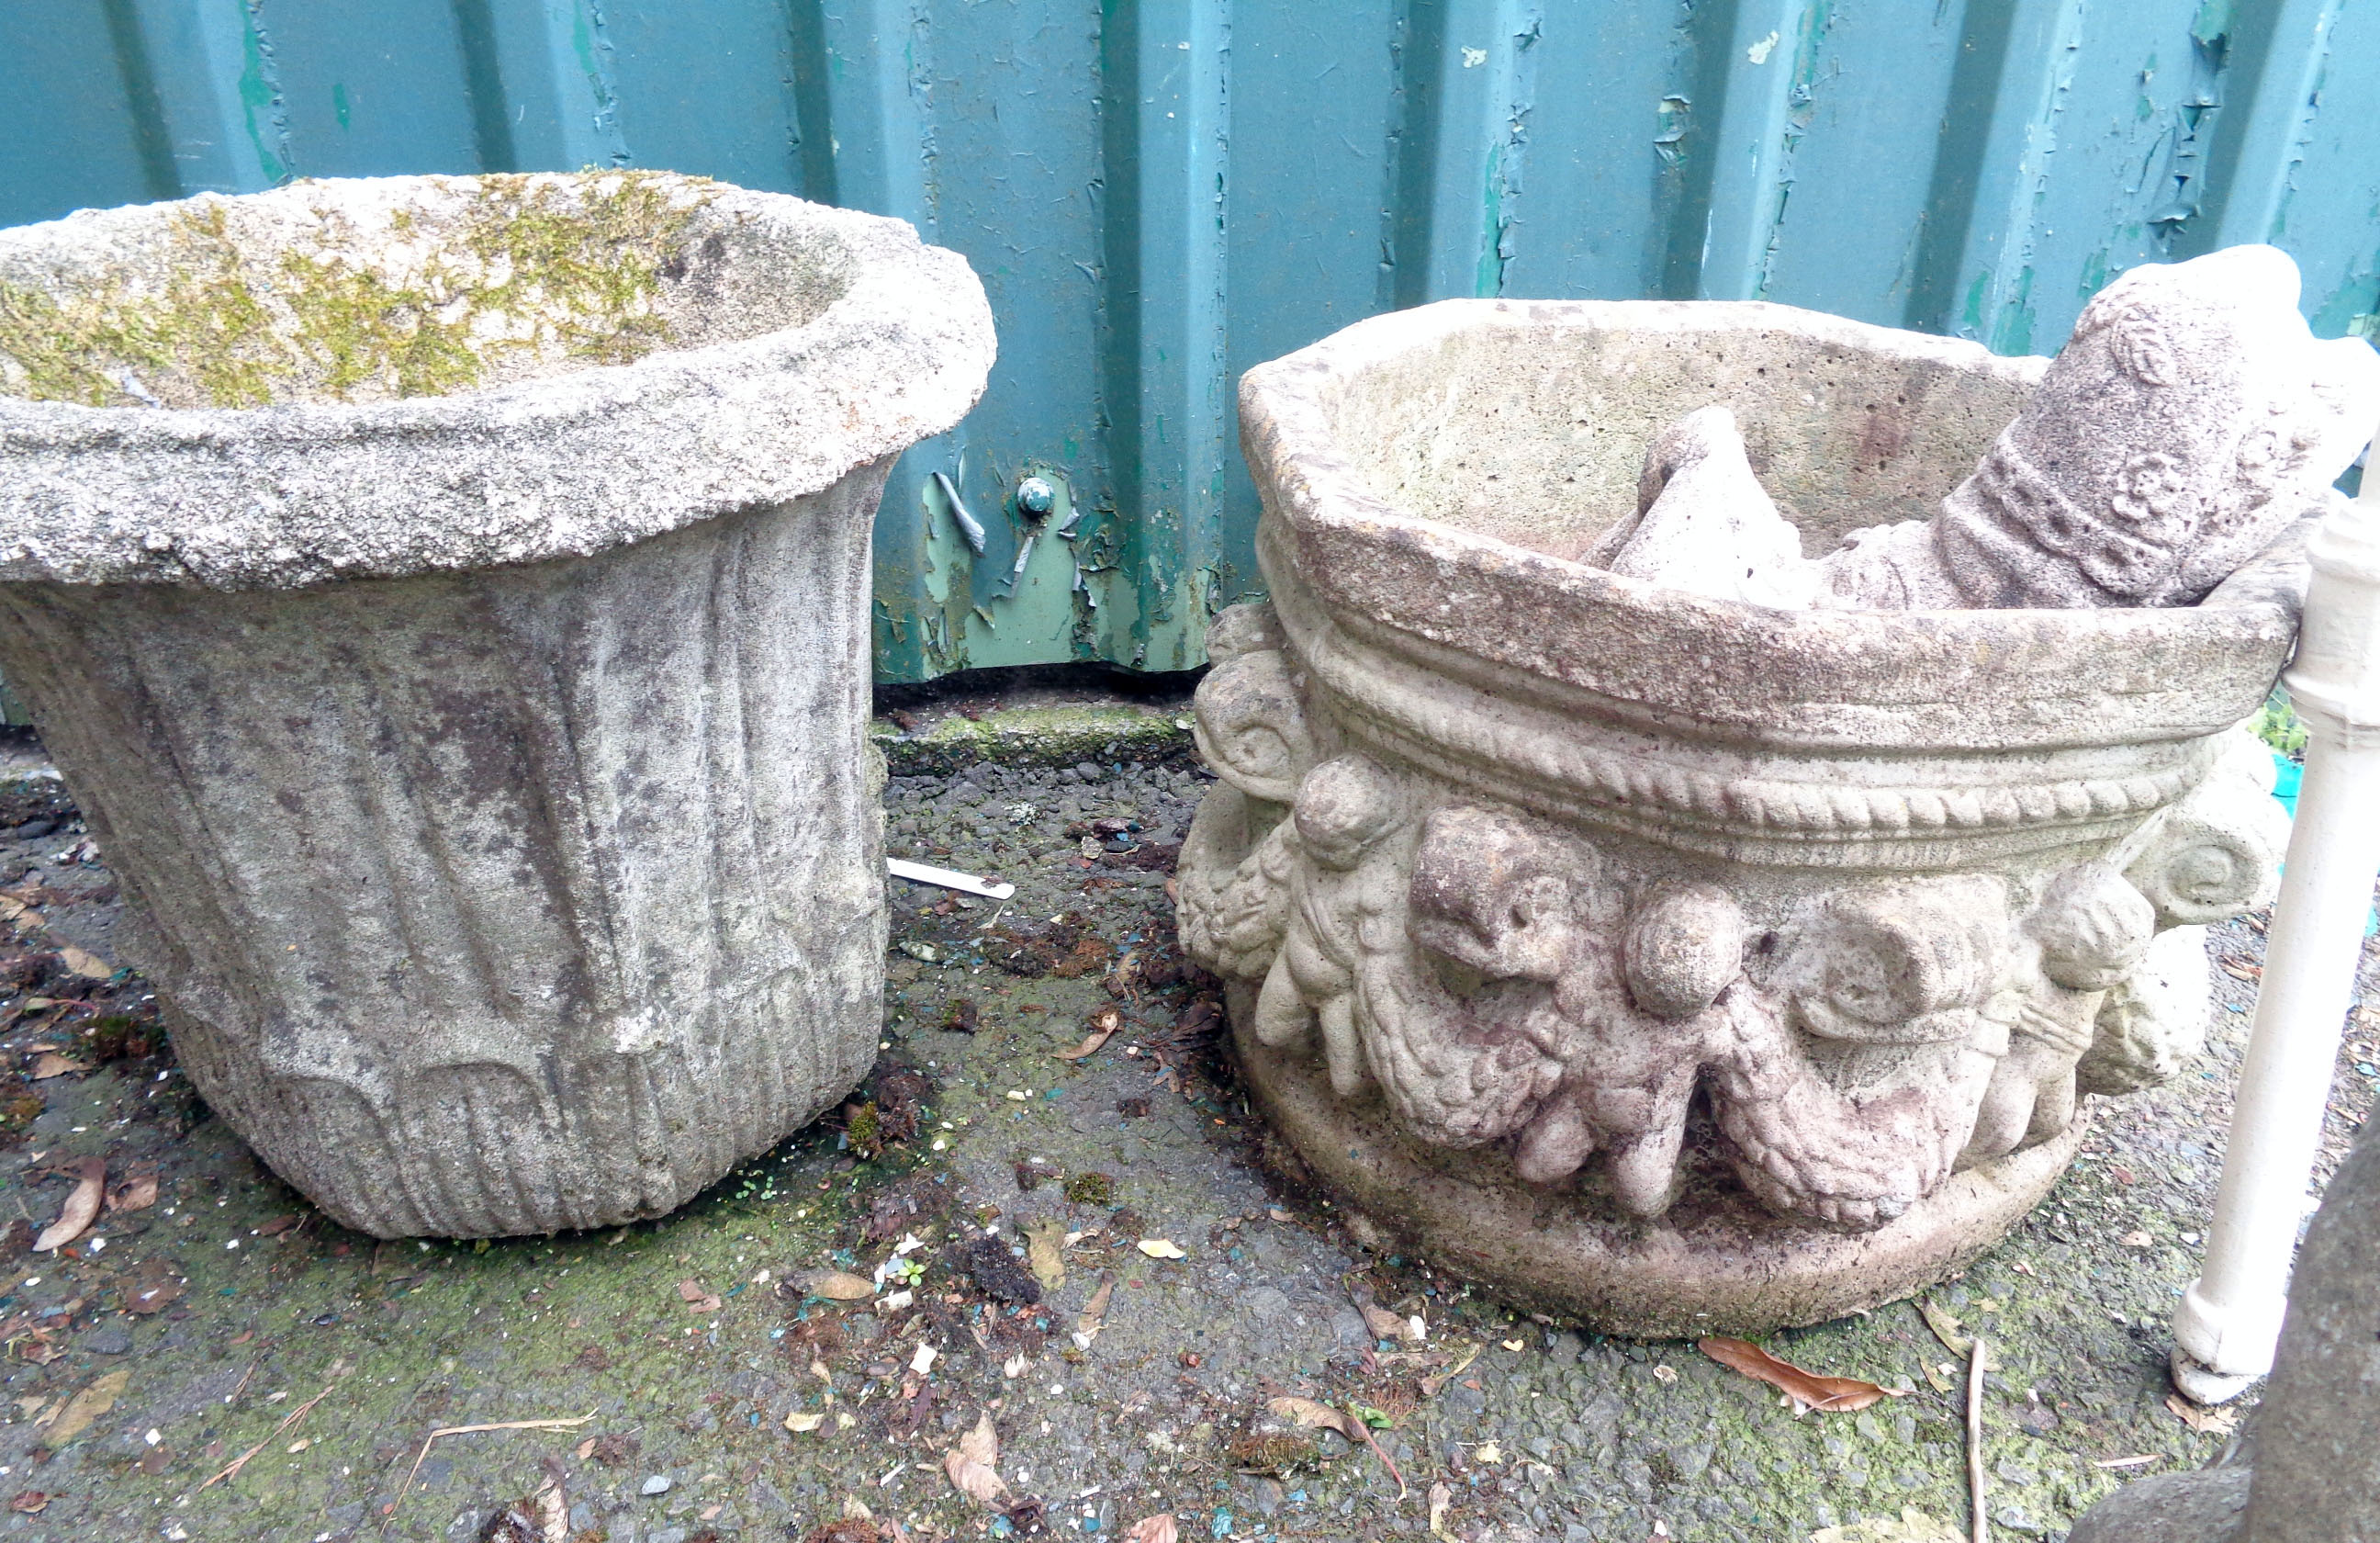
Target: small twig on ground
{"points": [[1364, 1429], [295, 1416], [1982, 1526], [243, 1382], [390, 1509]]}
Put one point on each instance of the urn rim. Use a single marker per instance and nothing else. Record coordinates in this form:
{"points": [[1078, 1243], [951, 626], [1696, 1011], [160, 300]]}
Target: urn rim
{"points": [[561, 464], [1977, 677]]}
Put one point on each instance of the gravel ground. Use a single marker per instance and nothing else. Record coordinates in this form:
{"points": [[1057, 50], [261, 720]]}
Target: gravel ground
{"points": [[227, 1317]]}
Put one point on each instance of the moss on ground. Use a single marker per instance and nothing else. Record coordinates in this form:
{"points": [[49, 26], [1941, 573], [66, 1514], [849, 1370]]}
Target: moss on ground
{"points": [[1056, 736], [571, 270]]}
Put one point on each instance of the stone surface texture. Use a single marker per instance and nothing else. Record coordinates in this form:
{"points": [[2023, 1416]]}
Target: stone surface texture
{"points": [[1685, 963], [2187, 422], [488, 771]]}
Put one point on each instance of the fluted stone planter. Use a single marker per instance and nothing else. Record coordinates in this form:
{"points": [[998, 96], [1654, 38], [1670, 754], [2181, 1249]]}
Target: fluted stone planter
{"points": [[449, 600], [1683, 964]]}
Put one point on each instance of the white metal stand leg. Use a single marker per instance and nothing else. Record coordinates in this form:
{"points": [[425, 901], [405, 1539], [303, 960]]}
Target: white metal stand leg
{"points": [[2230, 1318]]}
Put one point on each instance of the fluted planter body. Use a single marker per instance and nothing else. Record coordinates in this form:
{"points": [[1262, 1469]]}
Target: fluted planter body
{"points": [[475, 720], [1687, 965]]}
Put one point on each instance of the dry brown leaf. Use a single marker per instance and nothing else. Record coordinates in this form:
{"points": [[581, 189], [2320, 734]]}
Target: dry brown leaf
{"points": [[1087, 1326], [138, 1193], [1810, 1390], [81, 1208], [88, 966], [2238, 969], [84, 1407], [1441, 1497], [1160, 1528], [1162, 1248], [837, 1286], [802, 1421], [1382, 1323], [151, 1289], [1314, 1416], [49, 1063], [2212, 1421], [1102, 1025], [2136, 1240], [1045, 1252], [29, 1503], [697, 1297], [1946, 1328], [1430, 1384], [973, 1464]]}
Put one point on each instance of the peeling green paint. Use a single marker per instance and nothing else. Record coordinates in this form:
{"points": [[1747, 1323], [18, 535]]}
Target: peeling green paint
{"points": [[258, 101], [2094, 273]]}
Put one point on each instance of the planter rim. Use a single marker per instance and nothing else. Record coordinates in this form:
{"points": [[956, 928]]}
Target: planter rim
{"points": [[1364, 556], [286, 495]]}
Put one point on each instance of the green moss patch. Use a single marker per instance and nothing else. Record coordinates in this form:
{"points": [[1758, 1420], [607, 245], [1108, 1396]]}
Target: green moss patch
{"points": [[532, 271]]}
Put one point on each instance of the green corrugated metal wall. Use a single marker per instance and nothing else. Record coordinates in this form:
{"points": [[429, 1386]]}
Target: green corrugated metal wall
{"points": [[1159, 193]]}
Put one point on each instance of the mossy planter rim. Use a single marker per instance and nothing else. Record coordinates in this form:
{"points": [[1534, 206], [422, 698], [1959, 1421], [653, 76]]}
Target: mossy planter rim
{"points": [[285, 495]]}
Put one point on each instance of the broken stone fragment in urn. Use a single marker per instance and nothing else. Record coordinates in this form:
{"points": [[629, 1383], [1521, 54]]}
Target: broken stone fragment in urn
{"points": [[2189, 419]]}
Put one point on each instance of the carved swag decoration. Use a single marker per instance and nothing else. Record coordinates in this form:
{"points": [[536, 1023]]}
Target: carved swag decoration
{"points": [[1504, 984]]}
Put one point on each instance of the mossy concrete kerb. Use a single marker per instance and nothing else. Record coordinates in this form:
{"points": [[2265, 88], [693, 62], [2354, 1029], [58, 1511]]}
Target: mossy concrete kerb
{"points": [[1104, 735]]}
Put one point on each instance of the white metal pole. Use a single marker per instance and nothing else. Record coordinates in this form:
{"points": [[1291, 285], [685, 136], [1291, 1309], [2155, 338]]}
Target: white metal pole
{"points": [[2230, 1318]]}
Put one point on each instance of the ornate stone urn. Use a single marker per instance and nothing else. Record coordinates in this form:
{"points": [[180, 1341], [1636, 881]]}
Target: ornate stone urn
{"points": [[1685, 964], [448, 598]]}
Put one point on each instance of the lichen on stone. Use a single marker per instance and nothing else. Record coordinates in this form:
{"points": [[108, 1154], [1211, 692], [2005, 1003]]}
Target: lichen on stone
{"points": [[519, 275]]}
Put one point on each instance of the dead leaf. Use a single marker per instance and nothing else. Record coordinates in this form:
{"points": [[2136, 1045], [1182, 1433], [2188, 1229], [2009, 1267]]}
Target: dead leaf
{"points": [[1807, 1389], [1102, 1025], [2238, 969], [973, 1464], [1162, 1248], [84, 1407], [138, 1193], [1087, 1326], [1045, 1252], [1914, 1526], [1314, 1416], [49, 1063], [151, 1289], [1946, 1328], [1434, 1381], [1382, 1323], [33, 1503], [1665, 1374], [837, 1286], [1441, 1497], [278, 1225], [2210, 1422], [88, 966], [2136, 1240], [802, 1421], [697, 1297], [1153, 1529], [81, 1208]]}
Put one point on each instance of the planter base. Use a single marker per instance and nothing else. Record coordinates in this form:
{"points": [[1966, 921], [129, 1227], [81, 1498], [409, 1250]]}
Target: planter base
{"points": [[1714, 1264]]}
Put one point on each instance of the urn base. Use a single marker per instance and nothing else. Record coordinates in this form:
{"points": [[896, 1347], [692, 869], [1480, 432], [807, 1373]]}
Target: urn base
{"points": [[1716, 1263]]}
